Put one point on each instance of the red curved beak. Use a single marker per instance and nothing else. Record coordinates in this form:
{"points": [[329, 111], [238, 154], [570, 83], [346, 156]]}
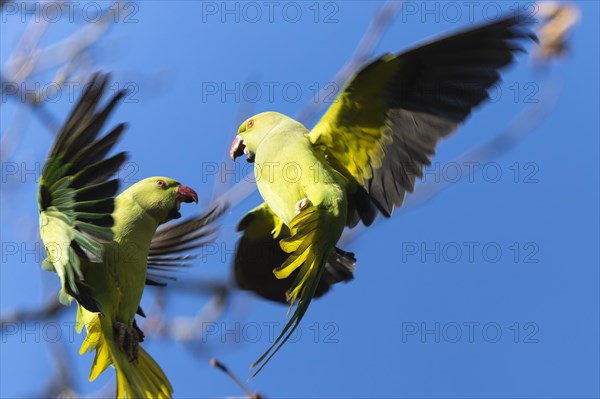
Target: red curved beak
{"points": [[237, 148], [186, 194]]}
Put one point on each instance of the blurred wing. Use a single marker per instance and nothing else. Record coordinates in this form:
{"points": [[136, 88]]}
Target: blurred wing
{"points": [[385, 124], [171, 246], [258, 253], [76, 192]]}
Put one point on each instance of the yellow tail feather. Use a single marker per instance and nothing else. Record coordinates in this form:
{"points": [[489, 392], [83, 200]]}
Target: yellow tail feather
{"points": [[314, 233], [142, 378], [306, 250]]}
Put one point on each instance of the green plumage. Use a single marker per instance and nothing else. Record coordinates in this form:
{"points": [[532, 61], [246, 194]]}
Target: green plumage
{"points": [[361, 158], [75, 195], [101, 245]]}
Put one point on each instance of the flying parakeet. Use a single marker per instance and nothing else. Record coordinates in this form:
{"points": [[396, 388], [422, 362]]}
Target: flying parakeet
{"points": [[101, 245], [359, 160]]}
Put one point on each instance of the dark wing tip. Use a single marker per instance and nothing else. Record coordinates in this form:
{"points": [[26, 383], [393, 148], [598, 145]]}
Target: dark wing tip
{"points": [[170, 249]]}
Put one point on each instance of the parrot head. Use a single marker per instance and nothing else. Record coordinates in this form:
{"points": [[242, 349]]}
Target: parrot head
{"points": [[254, 130], [161, 197]]}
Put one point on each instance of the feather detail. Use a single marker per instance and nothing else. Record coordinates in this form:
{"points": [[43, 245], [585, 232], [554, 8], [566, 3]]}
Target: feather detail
{"points": [[309, 247]]}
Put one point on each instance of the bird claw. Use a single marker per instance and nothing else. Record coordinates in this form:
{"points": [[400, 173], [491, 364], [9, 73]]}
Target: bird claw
{"points": [[301, 205], [128, 339]]}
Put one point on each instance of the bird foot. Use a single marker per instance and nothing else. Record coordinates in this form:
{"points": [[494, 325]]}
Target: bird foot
{"points": [[301, 205], [128, 339]]}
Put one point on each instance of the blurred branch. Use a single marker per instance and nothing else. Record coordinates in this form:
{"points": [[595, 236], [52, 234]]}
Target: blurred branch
{"points": [[34, 103], [29, 58], [187, 329], [10, 138], [364, 50], [559, 20], [62, 381], [220, 366], [244, 109], [51, 308]]}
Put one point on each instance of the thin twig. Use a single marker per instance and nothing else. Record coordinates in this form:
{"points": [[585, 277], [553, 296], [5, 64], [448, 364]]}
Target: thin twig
{"points": [[218, 365]]}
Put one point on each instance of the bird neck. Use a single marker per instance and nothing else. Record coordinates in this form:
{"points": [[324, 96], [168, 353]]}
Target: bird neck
{"points": [[133, 224]]}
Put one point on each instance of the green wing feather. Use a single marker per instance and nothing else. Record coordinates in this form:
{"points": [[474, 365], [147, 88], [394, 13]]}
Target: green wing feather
{"points": [[385, 124], [76, 192]]}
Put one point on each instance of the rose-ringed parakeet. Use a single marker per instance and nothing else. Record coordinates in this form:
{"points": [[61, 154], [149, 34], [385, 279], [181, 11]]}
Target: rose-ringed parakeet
{"points": [[102, 245], [359, 160]]}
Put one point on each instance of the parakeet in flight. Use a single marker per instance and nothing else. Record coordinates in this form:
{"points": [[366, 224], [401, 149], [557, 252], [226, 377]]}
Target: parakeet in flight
{"points": [[105, 248], [359, 160]]}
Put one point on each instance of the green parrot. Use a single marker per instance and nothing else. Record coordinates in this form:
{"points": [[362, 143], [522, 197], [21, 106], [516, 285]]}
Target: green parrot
{"points": [[105, 248], [359, 160]]}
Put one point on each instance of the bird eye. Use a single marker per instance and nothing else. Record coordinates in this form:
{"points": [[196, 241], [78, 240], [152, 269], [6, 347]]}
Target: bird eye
{"points": [[161, 183], [250, 123]]}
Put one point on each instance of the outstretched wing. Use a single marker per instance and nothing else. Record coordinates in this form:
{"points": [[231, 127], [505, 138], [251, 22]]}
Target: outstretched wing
{"points": [[172, 245], [76, 191], [258, 253], [385, 124]]}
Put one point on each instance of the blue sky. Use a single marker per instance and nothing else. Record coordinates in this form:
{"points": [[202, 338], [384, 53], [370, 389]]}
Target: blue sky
{"points": [[491, 289]]}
